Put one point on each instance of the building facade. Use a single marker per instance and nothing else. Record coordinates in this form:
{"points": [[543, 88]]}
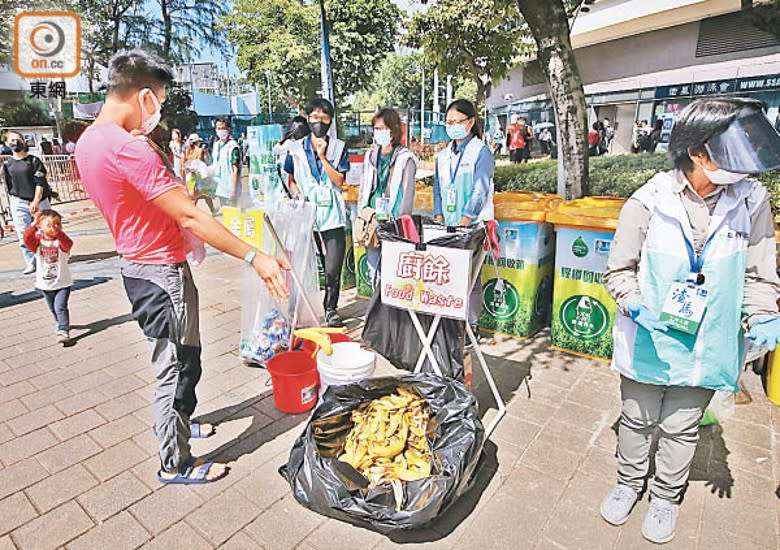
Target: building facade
{"points": [[642, 60]]}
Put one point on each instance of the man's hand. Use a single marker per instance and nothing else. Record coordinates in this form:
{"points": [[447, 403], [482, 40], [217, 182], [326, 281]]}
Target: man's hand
{"points": [[320, 146], [438, 218], [34, 206], [465, 221], [269, 269], [36, 219]]}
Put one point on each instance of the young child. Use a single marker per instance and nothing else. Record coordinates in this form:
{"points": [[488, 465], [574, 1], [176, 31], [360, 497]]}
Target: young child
{"points": [[52, 247]]}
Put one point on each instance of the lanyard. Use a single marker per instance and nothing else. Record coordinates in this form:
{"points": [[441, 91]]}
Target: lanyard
{"points": [[457, 165], [696, 262]]}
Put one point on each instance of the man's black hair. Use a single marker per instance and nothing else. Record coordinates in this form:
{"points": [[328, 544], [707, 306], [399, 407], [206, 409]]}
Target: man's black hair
{"points": [[322, 104], [133, 70], [701, 121], [223, 120]]}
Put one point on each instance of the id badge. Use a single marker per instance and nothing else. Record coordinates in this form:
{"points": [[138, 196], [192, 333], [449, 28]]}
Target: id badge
{"points": [[452, 199], [685, 305], [382, 208], [324, 196]]}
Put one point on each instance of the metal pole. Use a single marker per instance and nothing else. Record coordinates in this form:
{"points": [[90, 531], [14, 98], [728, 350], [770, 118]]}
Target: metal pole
{"points": [[326, 73], [436, 107], [422, 107], [449, 89], [270, 106]]}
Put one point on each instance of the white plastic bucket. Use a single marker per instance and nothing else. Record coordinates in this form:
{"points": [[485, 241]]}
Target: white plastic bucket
{"points": [[348, 363]]}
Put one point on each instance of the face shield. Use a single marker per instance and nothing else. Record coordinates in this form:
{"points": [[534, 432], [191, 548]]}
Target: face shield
{"points": [[749, 145]]}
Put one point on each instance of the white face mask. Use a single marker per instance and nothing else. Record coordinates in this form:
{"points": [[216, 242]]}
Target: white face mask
{"points": [[222, 134], [149, 121], [723, 177], [382, 136]]}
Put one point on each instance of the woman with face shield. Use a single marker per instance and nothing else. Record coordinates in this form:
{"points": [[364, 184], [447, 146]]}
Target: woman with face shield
{"points": [[692, 269], [25, 181], [387, 189]]}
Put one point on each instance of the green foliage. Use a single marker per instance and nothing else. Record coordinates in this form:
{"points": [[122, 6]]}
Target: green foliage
{"points": [[610, 176], [26, 112], [177, 112], [73, 130], [282, 37], [765, 16], [482, 39]]}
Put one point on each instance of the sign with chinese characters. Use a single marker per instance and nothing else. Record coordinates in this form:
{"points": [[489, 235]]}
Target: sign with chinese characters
{"points": [[697, 89], [684, 307], [247, 225], [264, 182], [435, 280]]}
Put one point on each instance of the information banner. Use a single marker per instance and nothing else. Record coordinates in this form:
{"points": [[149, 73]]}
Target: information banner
{"points": [[435, 280], [264, 181]]}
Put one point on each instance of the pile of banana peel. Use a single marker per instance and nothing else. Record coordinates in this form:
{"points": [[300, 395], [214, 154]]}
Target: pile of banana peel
{"points": [[387, 443]]}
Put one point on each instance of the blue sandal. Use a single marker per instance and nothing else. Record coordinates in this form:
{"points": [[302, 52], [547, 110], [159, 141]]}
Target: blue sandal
{"points": [[186, 476], [196, 433]]}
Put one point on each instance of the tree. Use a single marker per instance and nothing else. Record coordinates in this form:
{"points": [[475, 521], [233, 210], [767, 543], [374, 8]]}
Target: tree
{"points": [[549, 25], [177, 111], [281, 37], [396, 83], [764, 15], [186, 24], [480, 38], [25, 113]]}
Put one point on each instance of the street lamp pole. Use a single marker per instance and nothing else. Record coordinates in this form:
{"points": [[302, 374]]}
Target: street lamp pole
{"points": [[326, 72]]}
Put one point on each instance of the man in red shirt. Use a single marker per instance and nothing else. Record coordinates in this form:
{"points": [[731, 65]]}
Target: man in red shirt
{"points": [[519, 135], [146, 207]]}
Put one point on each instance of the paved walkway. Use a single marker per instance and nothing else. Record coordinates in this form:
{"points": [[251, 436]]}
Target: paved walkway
{"points": [[78, 462]]}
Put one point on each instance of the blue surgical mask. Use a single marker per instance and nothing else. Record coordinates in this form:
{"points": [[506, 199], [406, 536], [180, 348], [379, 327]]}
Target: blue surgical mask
{"points": [[382, 136], [457, 131]]}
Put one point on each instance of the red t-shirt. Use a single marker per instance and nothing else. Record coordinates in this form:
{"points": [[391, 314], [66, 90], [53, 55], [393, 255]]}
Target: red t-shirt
{"points": [[517, 136], [594, 138], [123, 175]]}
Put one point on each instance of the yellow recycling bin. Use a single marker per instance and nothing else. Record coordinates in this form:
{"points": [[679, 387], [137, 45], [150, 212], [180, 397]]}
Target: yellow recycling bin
{"points": [[583, 311], [517, 289]]}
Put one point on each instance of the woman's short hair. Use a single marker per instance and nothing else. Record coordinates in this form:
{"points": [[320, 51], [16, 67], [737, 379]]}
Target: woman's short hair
{"points": [[701, 121], [393, 121]]}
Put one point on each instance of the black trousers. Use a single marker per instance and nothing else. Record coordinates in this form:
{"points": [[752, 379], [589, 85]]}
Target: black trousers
{"points": [[332, 257]]}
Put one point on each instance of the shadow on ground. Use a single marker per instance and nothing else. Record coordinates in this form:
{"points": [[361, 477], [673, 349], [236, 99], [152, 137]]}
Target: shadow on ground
{"points": [[99, 326], [12, 298]]}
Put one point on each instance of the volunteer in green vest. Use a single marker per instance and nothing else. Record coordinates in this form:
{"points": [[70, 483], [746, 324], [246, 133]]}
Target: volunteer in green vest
{"points": [[693, 270], [318, 166], [389, 171], [226, 155], [463, 182]]}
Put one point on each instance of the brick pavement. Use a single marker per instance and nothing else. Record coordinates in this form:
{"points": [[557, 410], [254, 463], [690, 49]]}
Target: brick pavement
{"points": [[78, 462]]}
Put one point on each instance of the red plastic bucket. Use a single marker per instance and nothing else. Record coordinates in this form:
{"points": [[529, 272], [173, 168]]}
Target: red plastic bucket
{"points": [[295, 380], [310, 346]]}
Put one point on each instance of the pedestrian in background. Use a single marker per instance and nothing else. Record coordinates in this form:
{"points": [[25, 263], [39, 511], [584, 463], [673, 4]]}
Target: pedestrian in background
{"points": [[318, 166], [28, 191], [51, 246], [463, 186], [699, 238], [388, 185], [176, 148], [226, 156]]}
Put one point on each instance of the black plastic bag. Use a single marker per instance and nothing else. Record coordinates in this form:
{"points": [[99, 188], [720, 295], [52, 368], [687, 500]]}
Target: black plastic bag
{"points": [[330, 487], [389, 331]]}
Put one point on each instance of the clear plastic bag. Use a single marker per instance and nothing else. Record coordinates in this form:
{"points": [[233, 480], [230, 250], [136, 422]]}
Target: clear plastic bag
{"points": [[267, 323], [721, 408]]}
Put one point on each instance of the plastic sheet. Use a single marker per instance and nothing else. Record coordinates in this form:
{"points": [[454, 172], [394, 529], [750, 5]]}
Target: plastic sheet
{"points": [[333, 488], [389, 331], [266, 323]]}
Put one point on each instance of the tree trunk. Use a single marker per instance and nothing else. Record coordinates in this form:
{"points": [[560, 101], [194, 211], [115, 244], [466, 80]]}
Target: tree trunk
{"points": [[550, 28], [167, 29]]}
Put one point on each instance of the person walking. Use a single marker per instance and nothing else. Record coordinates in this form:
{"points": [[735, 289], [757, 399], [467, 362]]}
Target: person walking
{"points": [[318, 165], [147, 208], [28, 191], [52, 247], [519, 135], [463, 186], [226, 156], [692, 268], [298, 129], [388, 185]]}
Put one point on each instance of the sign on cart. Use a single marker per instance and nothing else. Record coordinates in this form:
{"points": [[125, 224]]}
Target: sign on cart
{"points": [[434, 280]]}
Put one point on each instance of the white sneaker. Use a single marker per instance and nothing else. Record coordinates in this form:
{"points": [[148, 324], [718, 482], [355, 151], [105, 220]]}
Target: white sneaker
{"points": [[29, 269], [63, 337], [618, 504], [660, 521]]}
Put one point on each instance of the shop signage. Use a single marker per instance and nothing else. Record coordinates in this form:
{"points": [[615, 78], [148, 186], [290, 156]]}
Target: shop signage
{"points": [[696, 89], [434, 280], [757, 83]]}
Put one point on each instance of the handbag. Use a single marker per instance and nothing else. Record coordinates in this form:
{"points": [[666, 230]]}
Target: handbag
{"points": [[365, 228]]}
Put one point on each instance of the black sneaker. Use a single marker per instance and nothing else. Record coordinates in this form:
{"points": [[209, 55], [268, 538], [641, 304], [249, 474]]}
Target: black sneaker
{"points": [[333, 320]]}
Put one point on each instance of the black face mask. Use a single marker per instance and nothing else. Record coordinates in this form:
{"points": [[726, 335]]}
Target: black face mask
{"points": [[19, 146], [319, 129]]}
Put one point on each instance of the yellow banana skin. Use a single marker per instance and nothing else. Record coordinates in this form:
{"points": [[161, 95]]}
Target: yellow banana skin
{"points": [[320, 337]]}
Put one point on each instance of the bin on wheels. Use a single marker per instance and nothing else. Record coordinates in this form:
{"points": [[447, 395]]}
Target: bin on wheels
{"points": [[517, 292], [348, 269], [583, 311]]}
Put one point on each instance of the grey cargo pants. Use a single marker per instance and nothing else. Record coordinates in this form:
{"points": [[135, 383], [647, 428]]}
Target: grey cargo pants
{"points": [[165, 304]]}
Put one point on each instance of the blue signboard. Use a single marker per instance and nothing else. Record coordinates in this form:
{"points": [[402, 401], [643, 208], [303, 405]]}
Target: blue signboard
{"points": [[714, 87]]}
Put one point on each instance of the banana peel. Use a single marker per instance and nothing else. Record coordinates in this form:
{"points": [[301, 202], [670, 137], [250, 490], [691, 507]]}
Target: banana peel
{"points": [[320, 337], [387, 442]]}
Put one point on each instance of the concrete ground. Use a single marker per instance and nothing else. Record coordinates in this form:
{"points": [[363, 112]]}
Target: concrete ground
{"points": [[78, 459]]}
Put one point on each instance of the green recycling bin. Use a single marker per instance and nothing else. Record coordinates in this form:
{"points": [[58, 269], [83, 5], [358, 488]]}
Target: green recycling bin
{"points": [[517, 290], [583, 310]]}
